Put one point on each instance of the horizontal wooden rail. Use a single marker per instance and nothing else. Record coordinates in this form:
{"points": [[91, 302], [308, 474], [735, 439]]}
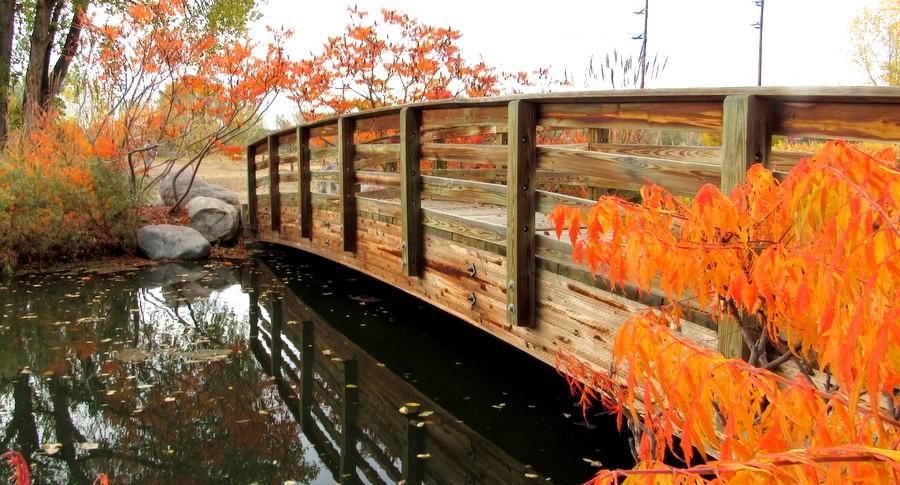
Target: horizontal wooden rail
{"points": [[449, 200]]}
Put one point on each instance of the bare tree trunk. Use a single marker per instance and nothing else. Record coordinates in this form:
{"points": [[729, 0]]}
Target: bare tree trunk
{"points": [[7, 31], [35, 73], [69, 49], [43, 85]]}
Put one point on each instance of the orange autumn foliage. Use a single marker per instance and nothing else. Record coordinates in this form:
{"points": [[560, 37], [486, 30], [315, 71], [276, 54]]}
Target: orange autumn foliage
{"points": [[21, 474], [397, 59], [814, 260], [58, 200]]}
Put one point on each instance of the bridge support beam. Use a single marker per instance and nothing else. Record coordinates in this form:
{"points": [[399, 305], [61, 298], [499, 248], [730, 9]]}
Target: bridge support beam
{"points": [[410, 192], [746, 140], [349, 406], [277, 317], [347, 179], [274, 193], [252, 224], [303, 181], [520, 207]]}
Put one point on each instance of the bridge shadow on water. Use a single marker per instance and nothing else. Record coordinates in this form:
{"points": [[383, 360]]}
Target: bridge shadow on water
{"points": [[284, 368]]}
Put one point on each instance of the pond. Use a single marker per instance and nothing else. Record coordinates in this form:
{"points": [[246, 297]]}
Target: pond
{"points": [[284, 368]]}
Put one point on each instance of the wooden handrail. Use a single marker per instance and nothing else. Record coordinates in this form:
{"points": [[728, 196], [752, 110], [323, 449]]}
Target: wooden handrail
{"points": [[522, 176]]}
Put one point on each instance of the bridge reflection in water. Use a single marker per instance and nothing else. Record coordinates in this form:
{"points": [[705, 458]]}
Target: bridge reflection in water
{"points": [[366, 423]]}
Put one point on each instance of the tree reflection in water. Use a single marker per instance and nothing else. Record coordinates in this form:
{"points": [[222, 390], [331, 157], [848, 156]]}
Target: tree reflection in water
{"points": [[145, 376]]}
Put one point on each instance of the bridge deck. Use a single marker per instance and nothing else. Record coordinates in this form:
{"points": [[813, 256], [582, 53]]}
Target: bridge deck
{"points": [[417, 196]]}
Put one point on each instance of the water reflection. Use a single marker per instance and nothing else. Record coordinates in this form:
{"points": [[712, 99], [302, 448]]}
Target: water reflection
{"points": [[220, 373], [144, 376]]}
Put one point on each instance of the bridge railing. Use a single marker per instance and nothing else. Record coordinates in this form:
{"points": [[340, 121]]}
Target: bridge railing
{"points": [[486, 172]]}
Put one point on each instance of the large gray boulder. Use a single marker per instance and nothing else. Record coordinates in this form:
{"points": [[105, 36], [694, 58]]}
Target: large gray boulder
{"points": [[199, 188], [216, 220], [165, 241]]}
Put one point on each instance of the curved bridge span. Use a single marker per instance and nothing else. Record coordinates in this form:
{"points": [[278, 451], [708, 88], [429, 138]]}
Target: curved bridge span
{"points": [[449, 200]]}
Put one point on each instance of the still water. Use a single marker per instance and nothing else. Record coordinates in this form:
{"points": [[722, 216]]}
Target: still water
{"points": [[247, 373]]}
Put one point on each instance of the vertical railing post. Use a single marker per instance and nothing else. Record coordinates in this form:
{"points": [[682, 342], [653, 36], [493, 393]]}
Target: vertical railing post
{"points": [[274, 193], [251, 191], [347, 179], [746, 140], [303, 181], [349, 405], [410, 192], [277, 317], [520, 207], [306, 375], [253, 310], [412, 470]]}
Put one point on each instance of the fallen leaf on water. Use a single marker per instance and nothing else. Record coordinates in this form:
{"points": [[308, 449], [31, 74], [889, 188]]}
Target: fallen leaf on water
{"points": [[593, 463], [423, 456], [169, 399], [531, 475], [144, 386], [425, 414], [89, 446]]}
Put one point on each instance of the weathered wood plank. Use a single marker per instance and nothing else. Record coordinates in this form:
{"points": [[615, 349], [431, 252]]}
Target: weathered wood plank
{"points": [[385, 122], [449, 152], [520, 207], [698, 116], [345, 167], [410, 193], [454, 189], [863, 121], [387, 179], [273, 184], [710, 155], [379, 151], [251, 190], [389, 209], [304, 219], [746, 139], [630, 172], [482, 231], [437, 119], [547, 201]]}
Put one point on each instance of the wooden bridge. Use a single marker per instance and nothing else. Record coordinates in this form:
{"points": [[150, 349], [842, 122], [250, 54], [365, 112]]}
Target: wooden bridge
{"points": [[449, 200]]}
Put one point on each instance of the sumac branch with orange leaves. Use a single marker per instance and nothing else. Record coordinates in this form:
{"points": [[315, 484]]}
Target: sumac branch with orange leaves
{"points": [[809, 266]]}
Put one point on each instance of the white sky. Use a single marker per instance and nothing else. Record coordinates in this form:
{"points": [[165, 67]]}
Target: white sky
{"points": [[708, 42]]}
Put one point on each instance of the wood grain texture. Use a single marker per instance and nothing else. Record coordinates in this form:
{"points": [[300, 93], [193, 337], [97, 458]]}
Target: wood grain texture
{"points": [[520, 208], [746, 139], [672, 115], [345, 167], [475, 229], [710, 155], [441, 188], [629, 172], [304, 218], [448, 152], [410, 193], [273, 184], [437, 119], [251, 190], [859, 121], [385, 122]]}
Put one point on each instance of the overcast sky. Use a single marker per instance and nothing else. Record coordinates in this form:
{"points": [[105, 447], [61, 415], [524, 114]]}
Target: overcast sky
{"points": [[708, 42]]}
